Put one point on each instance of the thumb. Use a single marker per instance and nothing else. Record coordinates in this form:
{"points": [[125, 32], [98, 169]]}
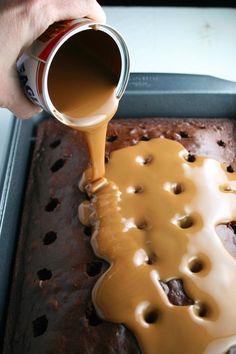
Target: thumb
{"points": [[15, 99]]}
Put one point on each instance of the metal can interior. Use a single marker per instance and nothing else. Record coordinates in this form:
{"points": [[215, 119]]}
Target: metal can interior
{"points": [[100, 44]]}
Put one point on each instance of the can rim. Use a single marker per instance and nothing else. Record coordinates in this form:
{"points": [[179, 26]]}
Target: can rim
{"points": [[124, 74]]}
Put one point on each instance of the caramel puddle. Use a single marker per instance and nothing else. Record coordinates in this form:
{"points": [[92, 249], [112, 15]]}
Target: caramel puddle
{"points": [[154, 222]]}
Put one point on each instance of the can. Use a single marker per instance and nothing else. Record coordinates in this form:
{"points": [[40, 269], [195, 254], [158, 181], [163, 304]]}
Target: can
{"points": [[34, 65]]}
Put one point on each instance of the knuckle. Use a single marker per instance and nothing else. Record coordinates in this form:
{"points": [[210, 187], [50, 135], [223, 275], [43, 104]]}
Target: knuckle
{"points": [[40, 13]]}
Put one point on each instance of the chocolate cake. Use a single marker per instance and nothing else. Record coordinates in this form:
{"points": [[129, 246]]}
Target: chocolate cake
{"points": [[50, 310]]}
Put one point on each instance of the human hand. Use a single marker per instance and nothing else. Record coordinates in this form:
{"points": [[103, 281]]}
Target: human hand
{"points": [[21, 22]]}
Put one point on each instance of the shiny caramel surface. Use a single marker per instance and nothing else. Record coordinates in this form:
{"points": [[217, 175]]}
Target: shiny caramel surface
{"points": [[155, 220]]}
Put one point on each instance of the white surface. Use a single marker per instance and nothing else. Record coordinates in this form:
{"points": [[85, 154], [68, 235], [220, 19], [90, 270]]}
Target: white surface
{"points": [[178, 40]]}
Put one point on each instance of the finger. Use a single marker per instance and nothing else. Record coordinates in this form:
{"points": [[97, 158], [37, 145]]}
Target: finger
{"points": [[64, 10], [16, 101], [45, 13], [96, 13]]}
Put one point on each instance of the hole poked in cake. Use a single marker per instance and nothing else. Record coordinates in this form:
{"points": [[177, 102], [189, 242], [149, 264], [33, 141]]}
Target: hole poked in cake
{"points": [[230, 169], [152, 258], [44, 274], [142, 257], [183, 134], [58, 165], [91, 315], [52, 204], [55, 144], [196, 265], [175, 292], [151, 316], [185, 221], [190, 158], [40, 326], [177, 188], [143, 225], [135, 189], [94, 268], [174, 187], [49, 237], [111, 138], [221, 143], [144, 160], [201, 310], [145, 138]]}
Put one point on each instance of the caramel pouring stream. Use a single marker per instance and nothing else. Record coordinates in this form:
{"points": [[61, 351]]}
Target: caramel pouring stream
{"points": [[82, 86]]}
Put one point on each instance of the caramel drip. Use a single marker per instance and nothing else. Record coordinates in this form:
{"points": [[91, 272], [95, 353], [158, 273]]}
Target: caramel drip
{"points": [[96, 140], [155, 222]]}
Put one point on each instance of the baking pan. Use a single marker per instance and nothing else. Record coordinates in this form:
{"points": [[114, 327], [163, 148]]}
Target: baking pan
{"points": [[165, 95]]}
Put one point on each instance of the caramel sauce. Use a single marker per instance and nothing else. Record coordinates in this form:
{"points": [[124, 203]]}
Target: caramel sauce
{"points": [[157, 221], [82, 83]]}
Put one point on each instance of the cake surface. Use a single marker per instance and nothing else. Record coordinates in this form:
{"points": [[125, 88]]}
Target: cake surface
{"points": [[51, 309]]}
